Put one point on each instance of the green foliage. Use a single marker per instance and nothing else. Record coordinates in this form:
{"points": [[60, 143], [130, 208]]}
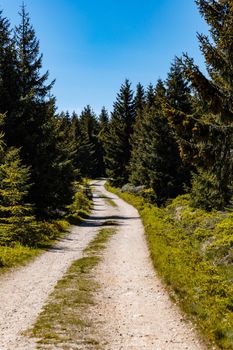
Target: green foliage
{"points": [[208, 192], [116, 141], [192, 251], [15, 215], [155, 161], [81, 204], [15, 255], [65, 319], [206, 135]]}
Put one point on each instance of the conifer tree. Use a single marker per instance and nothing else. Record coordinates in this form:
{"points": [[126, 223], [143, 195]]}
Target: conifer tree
{"points": [[178, 98], [31, 127], [15, 215], [88, 152], [9, 77], [206, 135], [117, 141], [32, 82], [140, 98], [103, 119], [150, 95], [103, 132], [136, 169], [155, 160]]}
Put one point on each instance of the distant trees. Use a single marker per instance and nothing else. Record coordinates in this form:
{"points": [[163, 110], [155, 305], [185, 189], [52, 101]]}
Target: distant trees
{"points": [[155, 161], [117, 139], [169, 138]]}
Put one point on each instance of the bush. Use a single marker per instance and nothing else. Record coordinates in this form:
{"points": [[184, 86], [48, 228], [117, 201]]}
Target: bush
{"points": [[207, 192]]}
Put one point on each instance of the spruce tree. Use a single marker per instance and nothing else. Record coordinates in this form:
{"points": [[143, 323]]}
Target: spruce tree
{"points": [[178, 98], [140, 98], [32, 127], [136, 171], [150, 95], [155, 160], [32, 82], [89, 148], [206, 135], [103, 131], [15, 215], [9, 77], [117, 141]]}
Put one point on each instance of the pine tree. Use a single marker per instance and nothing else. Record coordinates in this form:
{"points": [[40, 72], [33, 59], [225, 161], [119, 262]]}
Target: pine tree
{"points": [[155, 160], [9, 75], [207, 133], [140, 98], [32, 82], [32, 126], [178, 98], [178, 92], [103, 131], [136, 169], [15, 215], [117, 141], [89, 148], [150, 95]]}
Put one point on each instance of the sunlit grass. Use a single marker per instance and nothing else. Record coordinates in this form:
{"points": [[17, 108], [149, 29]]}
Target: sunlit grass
{"points": [[192, 251], [65, 320]]}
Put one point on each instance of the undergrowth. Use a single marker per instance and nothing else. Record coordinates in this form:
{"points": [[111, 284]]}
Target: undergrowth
{"points": [[37, 236], [192, 250], [65, 320]]}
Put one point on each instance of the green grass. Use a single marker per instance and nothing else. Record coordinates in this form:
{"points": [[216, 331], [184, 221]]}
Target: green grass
{"points": [[15, 256], [192, 250], [45, 235], [65, 320], [39, 236]]}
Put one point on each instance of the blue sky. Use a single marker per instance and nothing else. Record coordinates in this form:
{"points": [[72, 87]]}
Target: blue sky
{"points": [[91, 46]]}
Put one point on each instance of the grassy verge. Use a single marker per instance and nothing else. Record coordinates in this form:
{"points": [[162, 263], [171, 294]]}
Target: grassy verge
{"points": [[192, 250], [39, 236], [14, 256], [65, 321]]}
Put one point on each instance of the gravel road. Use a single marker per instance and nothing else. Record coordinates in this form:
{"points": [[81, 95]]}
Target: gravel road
{"points": [[133, 310]]}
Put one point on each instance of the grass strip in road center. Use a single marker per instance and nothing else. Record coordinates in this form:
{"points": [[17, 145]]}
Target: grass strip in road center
{"points": [[65, 320]]}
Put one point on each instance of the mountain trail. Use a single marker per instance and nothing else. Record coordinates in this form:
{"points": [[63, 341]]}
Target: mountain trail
{"points": [[132, 310]]}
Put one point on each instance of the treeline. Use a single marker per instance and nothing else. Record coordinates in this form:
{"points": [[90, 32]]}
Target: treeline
{"points": [[167, 139], [177, 136], [43, 155]]}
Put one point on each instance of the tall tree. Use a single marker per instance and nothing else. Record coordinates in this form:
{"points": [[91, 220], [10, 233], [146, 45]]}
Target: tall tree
{"points": [[89, 149], [155, 159], [32, 128], [9, 75], [103, 131], [178, 98], [207, 134], [118, 146]]}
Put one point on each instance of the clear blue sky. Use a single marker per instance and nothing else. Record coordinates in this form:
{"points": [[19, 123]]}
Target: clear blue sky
{"points": [[91, 46]]}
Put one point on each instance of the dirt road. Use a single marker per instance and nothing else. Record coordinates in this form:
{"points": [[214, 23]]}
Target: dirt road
{"points": [[133, 310]]}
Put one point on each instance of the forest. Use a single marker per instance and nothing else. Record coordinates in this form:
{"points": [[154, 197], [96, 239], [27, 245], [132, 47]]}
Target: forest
{"points": [[163, 140], [170, 144]]}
